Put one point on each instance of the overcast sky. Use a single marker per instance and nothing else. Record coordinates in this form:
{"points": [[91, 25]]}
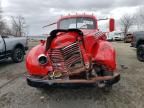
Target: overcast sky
{"points": [[41, 12]]}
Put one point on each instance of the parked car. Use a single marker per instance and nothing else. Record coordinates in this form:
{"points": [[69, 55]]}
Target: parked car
{"points": [[75, 53], [13, 47], [138, 42], [118, 36], [128, 38]]}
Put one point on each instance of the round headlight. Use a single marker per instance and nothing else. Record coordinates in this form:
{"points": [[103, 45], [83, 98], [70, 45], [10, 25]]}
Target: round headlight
{"points": [[42, 59]]}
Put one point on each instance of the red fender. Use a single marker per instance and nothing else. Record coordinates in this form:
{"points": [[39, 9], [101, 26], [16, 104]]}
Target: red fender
{"points": [[33, 67], [105, 54]]}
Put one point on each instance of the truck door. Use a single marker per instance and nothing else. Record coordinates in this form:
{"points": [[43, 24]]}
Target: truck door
{"points": [[2, 47]]}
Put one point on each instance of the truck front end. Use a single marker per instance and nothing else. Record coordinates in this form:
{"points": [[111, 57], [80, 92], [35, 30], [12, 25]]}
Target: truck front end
{"points": [[71, 57]]}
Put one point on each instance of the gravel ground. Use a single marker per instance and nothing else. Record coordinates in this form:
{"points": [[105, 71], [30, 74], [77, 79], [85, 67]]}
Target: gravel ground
{"points": [[128, 93]]}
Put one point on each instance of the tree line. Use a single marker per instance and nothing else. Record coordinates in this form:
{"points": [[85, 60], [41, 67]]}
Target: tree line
{"points": [[16, 27], [136, 20]]}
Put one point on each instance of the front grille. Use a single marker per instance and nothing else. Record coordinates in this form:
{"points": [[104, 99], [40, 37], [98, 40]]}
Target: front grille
{"points": [[66, 59]]}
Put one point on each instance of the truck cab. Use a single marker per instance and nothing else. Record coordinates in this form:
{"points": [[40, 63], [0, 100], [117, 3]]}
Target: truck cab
{"points": [[79, 21]]}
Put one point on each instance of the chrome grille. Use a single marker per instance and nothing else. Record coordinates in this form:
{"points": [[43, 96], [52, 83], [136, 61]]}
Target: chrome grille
{"points": [[66, 59]]}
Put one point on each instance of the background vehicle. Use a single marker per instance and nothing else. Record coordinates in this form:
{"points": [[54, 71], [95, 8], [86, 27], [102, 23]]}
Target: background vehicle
{"points": [[118, 36], [128, 38], [13, 47], [138, 42], [75, 53]]}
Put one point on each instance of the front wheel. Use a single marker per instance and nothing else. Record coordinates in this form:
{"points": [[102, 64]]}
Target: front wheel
{"points": [[140, 52], [18, 55]]}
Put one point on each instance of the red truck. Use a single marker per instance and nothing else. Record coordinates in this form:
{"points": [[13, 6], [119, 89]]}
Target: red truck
{"points": [[75, 53]]}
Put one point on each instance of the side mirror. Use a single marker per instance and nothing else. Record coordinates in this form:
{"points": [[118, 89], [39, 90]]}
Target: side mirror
{"points": [[111, 25]]}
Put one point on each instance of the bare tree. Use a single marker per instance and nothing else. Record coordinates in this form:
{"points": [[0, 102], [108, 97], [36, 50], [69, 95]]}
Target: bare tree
{"points": [[18, 26], [141, 12], [4, 28], [2, 25], [126, 22], [140, 18]]}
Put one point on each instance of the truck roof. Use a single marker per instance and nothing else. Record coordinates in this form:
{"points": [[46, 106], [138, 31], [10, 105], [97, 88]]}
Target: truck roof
{"points": [[77, 16]]}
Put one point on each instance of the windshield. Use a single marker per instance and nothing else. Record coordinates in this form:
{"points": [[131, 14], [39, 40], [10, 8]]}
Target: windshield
{"points": [[80, 23]]}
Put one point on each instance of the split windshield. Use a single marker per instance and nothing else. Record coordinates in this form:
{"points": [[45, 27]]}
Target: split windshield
{"points": [[80, 23]]}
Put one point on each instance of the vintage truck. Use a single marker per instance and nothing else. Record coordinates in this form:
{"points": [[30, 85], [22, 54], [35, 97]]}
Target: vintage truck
{"points": [[76, 53], [13, 47]]}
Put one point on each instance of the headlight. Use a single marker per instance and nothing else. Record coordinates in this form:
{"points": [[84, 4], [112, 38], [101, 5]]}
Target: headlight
{"points": [[42, 59]]}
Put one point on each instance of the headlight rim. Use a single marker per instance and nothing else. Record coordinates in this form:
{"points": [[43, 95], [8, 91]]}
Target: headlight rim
{"points": [[40, 56]]}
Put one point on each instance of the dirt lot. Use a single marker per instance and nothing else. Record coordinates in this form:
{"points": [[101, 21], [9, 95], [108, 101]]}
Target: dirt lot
{"points": [[128, 93]]}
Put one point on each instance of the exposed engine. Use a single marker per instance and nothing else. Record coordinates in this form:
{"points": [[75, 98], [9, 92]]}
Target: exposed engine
{"points": [[67, 60]]}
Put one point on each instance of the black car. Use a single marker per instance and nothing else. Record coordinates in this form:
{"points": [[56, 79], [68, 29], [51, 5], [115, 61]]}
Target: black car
{"points": [[138, 42]]}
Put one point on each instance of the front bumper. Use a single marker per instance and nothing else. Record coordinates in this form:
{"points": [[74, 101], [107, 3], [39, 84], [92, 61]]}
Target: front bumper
{"points": [[41, 83]]}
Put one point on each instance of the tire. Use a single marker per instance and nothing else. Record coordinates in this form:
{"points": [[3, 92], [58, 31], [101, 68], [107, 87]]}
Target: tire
{"points": [[140, 53], [18, 55]]}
